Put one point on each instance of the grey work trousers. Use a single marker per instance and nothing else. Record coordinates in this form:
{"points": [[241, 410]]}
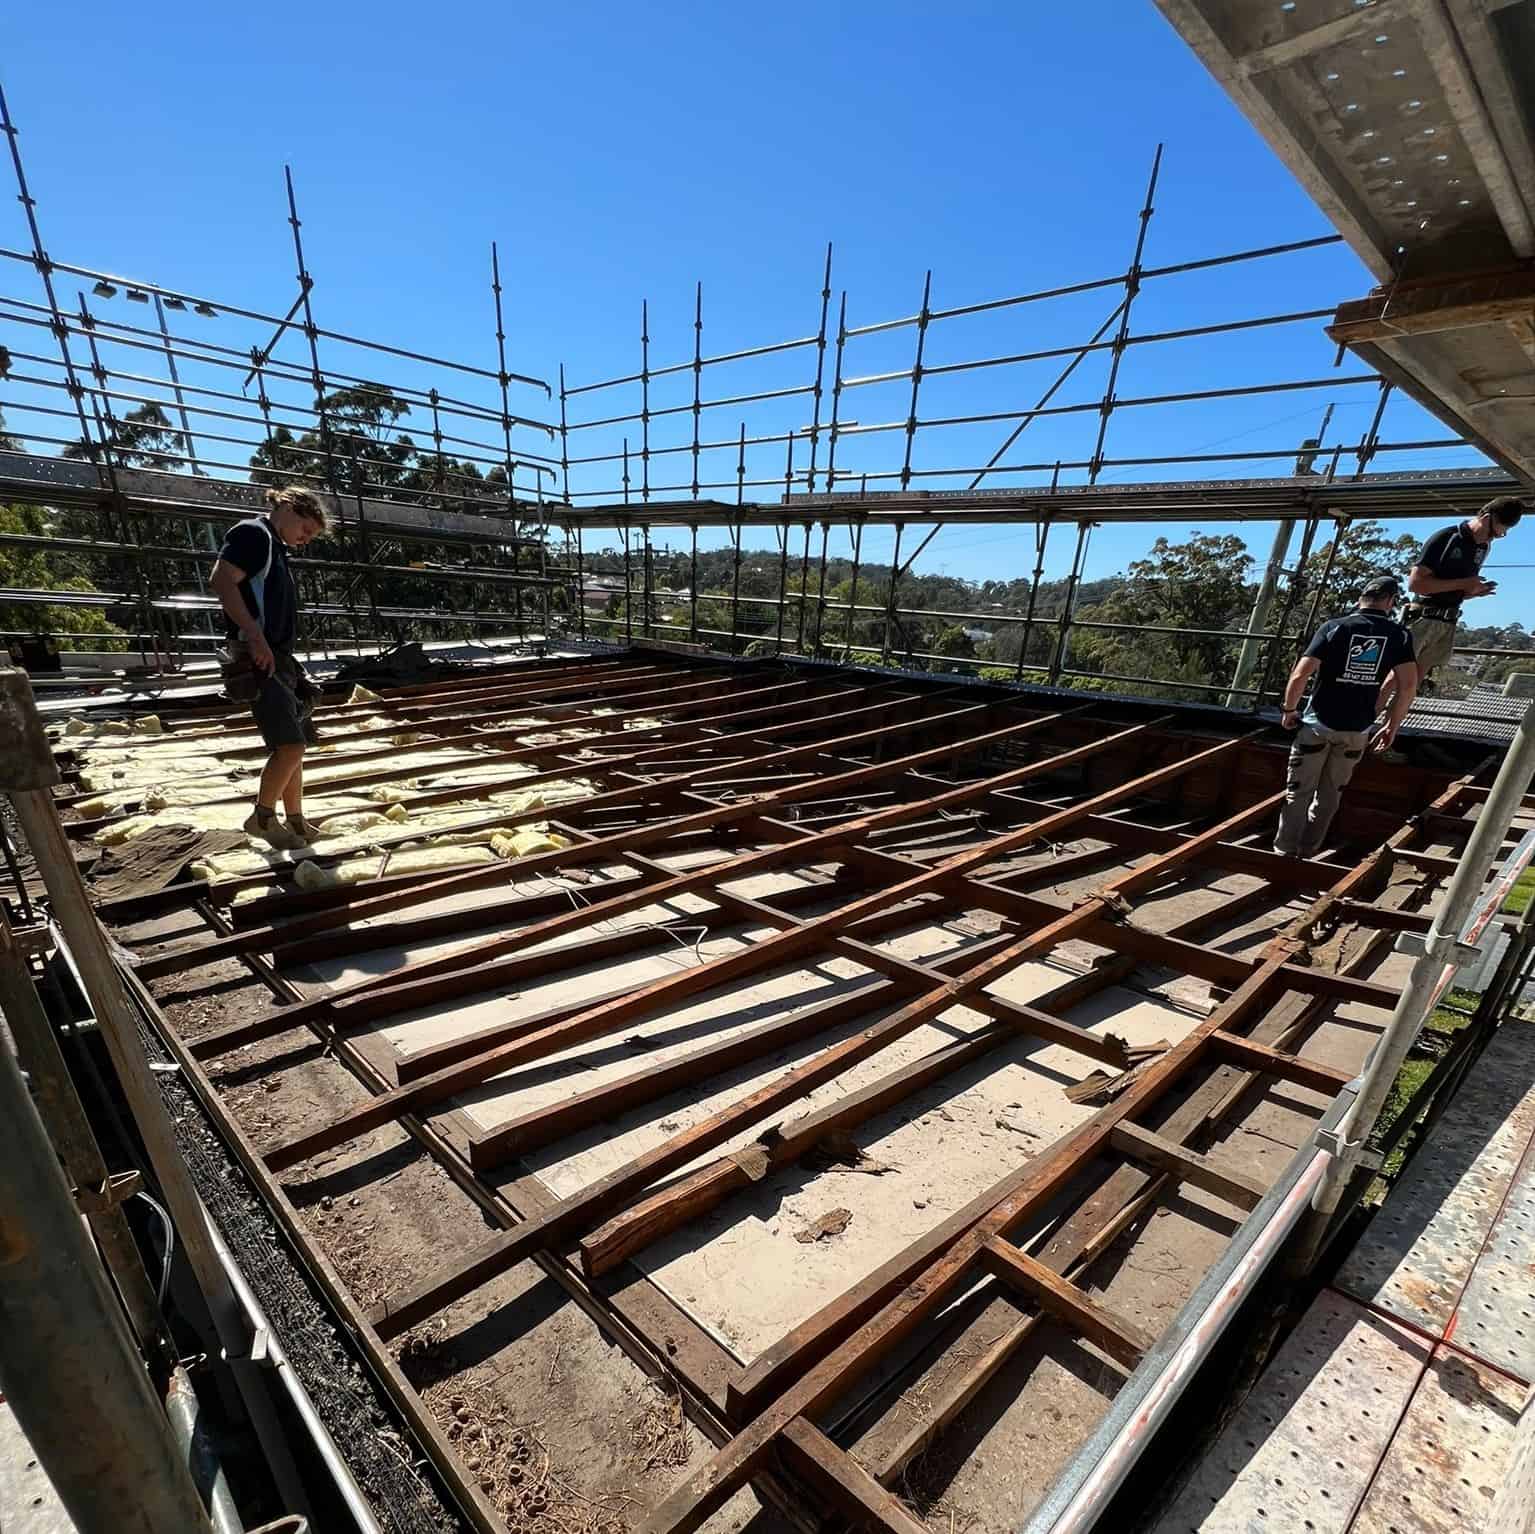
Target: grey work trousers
{"points": [[1321, 763]]}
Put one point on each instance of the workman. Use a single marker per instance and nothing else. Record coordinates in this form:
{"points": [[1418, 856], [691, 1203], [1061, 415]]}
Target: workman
{"points": [[1447, 572], [1352, 658], [256, 589]]}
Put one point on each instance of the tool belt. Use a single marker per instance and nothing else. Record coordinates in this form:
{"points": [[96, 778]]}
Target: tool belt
{"points": [[242, 679]]}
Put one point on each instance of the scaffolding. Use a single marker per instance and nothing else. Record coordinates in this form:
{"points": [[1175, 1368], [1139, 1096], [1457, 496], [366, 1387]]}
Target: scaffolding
{"points": [[467, 530]]}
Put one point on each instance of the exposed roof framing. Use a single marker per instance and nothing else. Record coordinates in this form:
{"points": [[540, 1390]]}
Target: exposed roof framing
{"points": [[879, 805]]}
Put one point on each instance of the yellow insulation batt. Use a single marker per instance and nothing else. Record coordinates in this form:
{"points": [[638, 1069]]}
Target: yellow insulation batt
{"points": [[391, 793], [362, 820], [76, 727], [98, 778], [365, 831], [526, 841], [311, 876]]}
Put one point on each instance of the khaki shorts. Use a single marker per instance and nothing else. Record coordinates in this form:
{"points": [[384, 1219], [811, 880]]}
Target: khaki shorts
{"points": [[1432, 640]]}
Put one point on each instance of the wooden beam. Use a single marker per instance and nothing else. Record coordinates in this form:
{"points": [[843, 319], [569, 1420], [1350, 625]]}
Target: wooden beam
{"points": [[463, 1274], [673, 1206], [658, 1079], [1186, 1165], [1430, 862], [1122, 1340], [774, 1369], [1123, 1195], [711, 1485], [845, 1483], [997, 1332], [600, 1020], [1189, 849], [1456, 303], [1206, 963], [268, 939], [1274, 1062]]}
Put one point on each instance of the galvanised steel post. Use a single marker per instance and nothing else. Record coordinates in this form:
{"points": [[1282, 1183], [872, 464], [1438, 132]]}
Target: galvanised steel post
{"points": [[804, 581], [923, 317], [644, 405], [693, 584], [37, 1049], [836, 395], [852, 595], [1063, 633], [1292, 596], [181, 403], [895, 577], [1438, 953], [820, 374], [820, 594], [698, 374], [1041, 538], [1263, 605], [67, 1363], [783, 583], [1117, 351]]}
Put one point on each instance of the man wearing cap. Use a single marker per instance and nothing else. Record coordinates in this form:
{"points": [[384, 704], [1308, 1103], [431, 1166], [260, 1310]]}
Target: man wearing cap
{"points": [[1447, 572], [1351, 658]]}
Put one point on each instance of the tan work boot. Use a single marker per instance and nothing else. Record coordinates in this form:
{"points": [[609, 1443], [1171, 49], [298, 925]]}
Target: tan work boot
{"points": [[305, 828], [274, 833]]}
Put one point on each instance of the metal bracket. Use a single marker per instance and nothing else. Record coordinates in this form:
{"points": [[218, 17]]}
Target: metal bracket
{"points": [[33, 940], [1333, 1142], [1435, 944], [115, 1190]]}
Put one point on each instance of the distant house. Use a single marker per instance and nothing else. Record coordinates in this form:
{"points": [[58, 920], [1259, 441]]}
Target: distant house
{"points": [[978, 635]]}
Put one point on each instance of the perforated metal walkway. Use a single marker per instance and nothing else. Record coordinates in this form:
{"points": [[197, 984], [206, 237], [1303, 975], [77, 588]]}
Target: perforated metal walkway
{"points": [[1393, 1407]]}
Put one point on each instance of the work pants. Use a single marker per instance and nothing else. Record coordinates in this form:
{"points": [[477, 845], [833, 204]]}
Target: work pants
{"points": [[1321, 763]]}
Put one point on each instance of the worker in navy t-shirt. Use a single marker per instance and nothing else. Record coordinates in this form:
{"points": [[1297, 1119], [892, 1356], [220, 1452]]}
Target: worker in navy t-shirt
{"points": [[1447, 572], [1351, 659], [260, 600]]}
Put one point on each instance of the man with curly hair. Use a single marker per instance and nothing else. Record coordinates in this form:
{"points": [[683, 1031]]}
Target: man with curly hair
{"points": [[256, 589]]}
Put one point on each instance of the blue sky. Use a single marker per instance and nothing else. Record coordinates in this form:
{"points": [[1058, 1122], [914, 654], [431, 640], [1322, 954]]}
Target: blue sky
{"points": [[620, 153]]}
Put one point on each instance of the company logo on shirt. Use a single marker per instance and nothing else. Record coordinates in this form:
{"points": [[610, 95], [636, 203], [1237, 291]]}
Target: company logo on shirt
{"points": [[1365, 655]]}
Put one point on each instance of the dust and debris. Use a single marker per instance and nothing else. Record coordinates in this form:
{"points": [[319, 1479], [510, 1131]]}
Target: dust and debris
{"points": [[662, 1437], [832, 1223], [838, 1153], [514, 1467], [1018, 1126]]}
